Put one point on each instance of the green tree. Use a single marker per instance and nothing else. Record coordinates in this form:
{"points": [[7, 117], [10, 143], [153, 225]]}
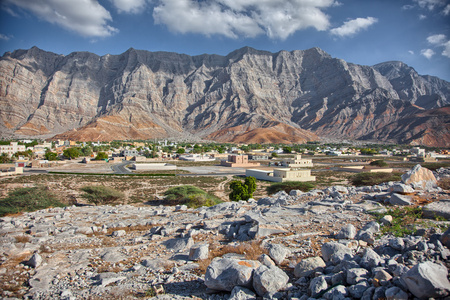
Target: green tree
{"points": [[242, 191], [86, 151], [274, 154], [287, 149], [181, 151], [101, 155], [250, 183], [4, 158], [49, 155], [72, 153]]}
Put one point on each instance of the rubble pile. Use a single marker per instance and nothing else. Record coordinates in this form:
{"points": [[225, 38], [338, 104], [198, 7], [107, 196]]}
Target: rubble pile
{"points": [[320, 244]]}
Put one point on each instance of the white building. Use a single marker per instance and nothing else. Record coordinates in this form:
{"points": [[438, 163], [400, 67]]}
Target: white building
{"points": [[281, 175], [196, 157], [12, 148]]}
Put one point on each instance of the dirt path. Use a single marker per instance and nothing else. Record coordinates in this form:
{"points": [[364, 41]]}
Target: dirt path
{"points": [[221, 188]]}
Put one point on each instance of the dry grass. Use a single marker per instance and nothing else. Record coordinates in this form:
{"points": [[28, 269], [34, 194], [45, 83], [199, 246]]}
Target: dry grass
{"points": [[444, 183], [22, 238]]}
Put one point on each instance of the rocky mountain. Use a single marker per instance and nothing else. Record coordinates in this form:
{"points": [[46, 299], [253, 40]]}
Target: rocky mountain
{"points": [[246, 96]]}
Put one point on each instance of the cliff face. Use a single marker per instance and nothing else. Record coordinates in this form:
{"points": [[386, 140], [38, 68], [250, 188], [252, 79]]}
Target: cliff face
{"points": [[246, 96]]}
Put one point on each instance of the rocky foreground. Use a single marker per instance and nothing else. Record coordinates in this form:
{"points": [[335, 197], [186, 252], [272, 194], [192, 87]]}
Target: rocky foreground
{"points": [[319, 244]]}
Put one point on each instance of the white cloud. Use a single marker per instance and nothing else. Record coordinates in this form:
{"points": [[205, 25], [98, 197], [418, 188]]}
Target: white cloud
{"points": [[437, 39], [85, 17], [354, 26], [233, 18], [428, 53], [446, 51], [4, 37], [411, 52], [446, 10], [430, 4], [440, 40], [129, 6], [422, 17]]}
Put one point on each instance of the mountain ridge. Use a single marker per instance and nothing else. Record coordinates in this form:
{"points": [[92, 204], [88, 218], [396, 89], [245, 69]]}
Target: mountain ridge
{"points": [[295, 96]]}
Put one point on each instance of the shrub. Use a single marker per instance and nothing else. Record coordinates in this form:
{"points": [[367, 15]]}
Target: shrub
{"points": [[289, 186], [28, 199], [101, 155], [379, 163], [101, 194], [191, 196], [242, 191], [362, 179]]}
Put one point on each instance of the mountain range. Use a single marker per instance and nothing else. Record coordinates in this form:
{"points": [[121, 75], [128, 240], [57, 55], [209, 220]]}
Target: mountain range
{"points": [[248, 96]]}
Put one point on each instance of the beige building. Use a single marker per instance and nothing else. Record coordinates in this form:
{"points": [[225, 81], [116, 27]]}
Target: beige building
{"points": [[281, 175], [238, 161], [297, 162]]}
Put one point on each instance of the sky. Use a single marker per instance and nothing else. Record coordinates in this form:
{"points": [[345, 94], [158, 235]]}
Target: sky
{"points": [[364, 32]]}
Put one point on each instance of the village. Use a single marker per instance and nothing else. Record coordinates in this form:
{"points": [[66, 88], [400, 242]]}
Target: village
{"points": [[274, 163]]}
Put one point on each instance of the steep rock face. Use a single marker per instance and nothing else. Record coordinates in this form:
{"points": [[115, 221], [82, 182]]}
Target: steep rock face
{"points": [[246, 96]]}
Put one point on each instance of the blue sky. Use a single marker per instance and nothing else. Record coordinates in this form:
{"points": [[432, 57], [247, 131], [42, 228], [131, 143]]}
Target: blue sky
{"points": [[365, 32]]}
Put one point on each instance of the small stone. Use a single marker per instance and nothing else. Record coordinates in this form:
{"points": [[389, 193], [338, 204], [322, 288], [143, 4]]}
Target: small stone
{"points": [[370, 259], [386, 220], [119, 233], [395, 293], [317, 285], [398, 199], [199, 252], [35, 261], [278, 253], [347, 232], [241, 293]]}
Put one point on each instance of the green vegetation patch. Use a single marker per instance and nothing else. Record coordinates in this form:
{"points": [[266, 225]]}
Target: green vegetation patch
{"points": [[379, 163], [98, 194], [363, 179], [404, 220], [28, 199], [289, 186], [190, 196]]}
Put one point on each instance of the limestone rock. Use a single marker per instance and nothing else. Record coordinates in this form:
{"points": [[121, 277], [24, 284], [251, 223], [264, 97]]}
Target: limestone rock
{"points": [[347, 232], [223, 274], [241, 293], [199, 252], [269, 280], [397, 199], [278, 253], [35, 261], [336, 252], [438, 208], [420, 178], [427, 280], [309, 265]]}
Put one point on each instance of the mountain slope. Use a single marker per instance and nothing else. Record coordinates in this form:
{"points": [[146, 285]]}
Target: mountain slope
{"points": [[246, 96]]}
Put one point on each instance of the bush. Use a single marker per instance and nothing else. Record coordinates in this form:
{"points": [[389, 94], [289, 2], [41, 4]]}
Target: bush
{"points": [[379, 163], [242, 191], [190, 196], [101, 194], [101, 156], [363, 179], [28, 199], [289, 186]]}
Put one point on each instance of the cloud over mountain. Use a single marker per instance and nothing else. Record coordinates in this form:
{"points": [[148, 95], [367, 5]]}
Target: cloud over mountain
{"points": [[87, 18], [352, 27], [250, 18]]}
